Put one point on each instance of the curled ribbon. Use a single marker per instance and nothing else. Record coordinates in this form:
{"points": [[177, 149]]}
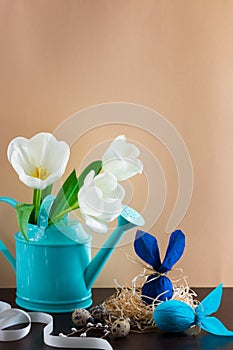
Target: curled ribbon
{"points": [[11, 317]]}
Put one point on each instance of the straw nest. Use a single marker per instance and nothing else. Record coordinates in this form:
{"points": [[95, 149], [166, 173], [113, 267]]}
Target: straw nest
{"points": [[126, 302]]}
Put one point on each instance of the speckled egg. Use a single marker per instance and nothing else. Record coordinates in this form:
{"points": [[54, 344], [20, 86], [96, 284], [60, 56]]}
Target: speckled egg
{"points": [[120, 328], [99, 312], [81, 317]]}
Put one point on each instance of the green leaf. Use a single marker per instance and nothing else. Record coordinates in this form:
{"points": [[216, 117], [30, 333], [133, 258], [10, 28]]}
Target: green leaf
{"points": [[96, 166], [67, 197], [23, 212]]}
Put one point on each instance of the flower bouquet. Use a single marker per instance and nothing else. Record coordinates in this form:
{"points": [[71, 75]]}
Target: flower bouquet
{"points": [[54, 271]]}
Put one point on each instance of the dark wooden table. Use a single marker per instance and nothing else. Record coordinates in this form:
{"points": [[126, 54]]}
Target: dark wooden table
{"points": [[149, 341]]}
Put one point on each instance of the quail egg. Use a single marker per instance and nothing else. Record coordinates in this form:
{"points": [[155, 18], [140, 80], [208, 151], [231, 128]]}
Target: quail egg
{"points": [[120, 328], [81, 317], [99, 312]]}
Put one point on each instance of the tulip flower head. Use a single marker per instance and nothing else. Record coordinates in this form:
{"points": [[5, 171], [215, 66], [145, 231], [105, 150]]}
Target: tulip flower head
{"points": [[39, 161], [100, 200], [121, 159]]}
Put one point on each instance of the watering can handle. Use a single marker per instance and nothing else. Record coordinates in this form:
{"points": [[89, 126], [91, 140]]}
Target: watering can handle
{"points": [[5, 251]]}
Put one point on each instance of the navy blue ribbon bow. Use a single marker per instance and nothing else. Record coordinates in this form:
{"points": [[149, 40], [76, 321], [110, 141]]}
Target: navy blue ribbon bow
{"points": [[157, 284]]}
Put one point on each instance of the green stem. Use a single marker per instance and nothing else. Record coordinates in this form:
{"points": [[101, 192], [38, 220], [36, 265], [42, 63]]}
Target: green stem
{"points": [[36, 201], [59, 216]]}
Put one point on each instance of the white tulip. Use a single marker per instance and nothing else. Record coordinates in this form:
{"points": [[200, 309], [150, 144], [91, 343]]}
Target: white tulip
{"points": [[100, 200], [121, 159], [38, 161]]}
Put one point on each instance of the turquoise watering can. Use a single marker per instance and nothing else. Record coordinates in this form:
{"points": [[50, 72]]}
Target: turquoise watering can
{"points": [[54, 270]]}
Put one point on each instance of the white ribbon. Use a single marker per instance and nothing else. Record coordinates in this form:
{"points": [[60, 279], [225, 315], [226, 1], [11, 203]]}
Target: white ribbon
{"points": [[12, 317]]}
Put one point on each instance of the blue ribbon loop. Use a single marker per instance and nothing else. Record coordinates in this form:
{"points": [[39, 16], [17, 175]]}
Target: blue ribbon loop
{"points": [[208, 306]]}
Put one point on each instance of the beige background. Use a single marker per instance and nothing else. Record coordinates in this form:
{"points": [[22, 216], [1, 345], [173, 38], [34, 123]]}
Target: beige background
{"points": [[175, 56]]}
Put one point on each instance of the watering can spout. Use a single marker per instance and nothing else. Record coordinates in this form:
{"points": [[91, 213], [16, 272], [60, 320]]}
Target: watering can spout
{"points": [[128, 219]]}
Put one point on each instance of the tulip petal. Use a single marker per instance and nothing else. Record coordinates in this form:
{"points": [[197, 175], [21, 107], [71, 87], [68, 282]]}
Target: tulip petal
{"points": [[119, 146], [112, 209], [95, 225], [100, 198], [88, 179], [107, 182], [120, 192], [35, 160], [123, 168], [56, 163], [121, 159], [89, 200]]}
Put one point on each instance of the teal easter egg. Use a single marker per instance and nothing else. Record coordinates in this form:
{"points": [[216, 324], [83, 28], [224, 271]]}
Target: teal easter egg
{"points": [[173, 316]]}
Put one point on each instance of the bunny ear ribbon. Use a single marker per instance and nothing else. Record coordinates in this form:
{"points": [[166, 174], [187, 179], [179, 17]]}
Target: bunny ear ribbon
{"points": [[174, 252], [146, 247], [209, 305]]}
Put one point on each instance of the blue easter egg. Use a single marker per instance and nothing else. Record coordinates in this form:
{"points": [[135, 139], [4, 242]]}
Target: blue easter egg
{"points": [[174, 316], [160, 288]]}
